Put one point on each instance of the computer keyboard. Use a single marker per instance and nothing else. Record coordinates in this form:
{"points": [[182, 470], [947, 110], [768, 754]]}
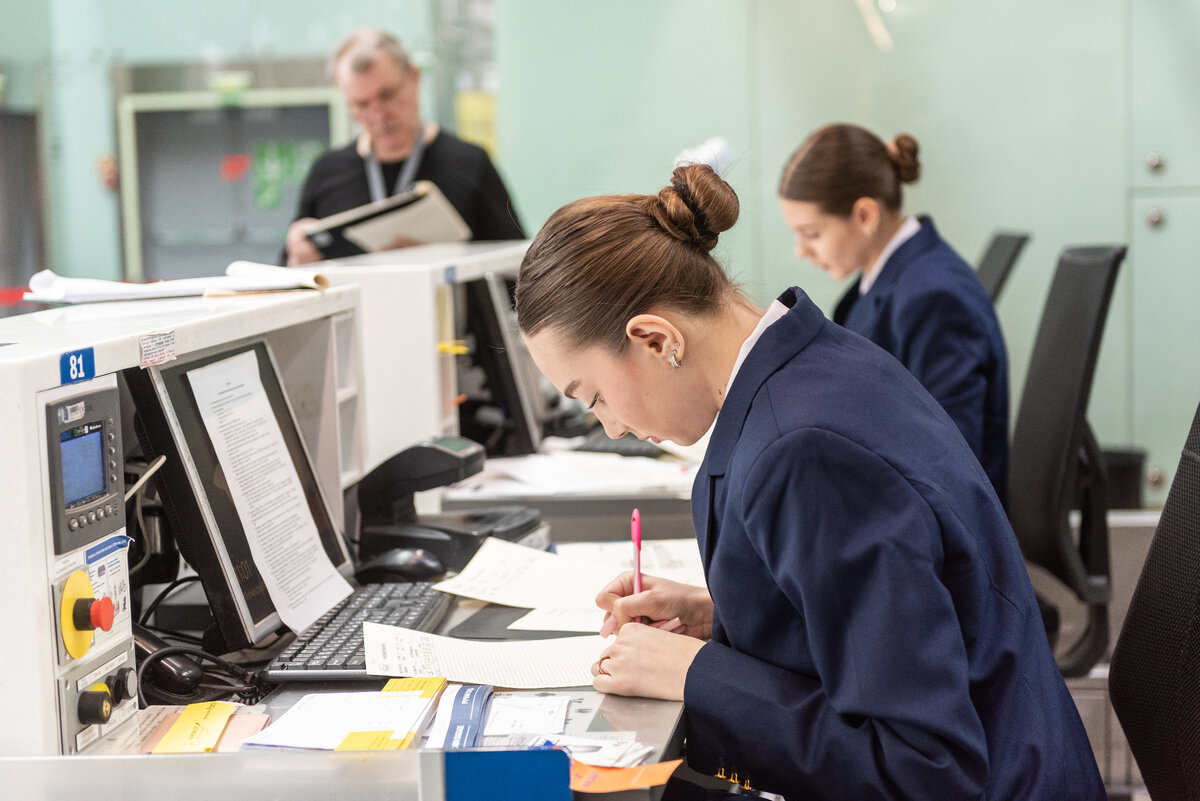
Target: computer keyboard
{"points": [[597, 441], [332, 647]]}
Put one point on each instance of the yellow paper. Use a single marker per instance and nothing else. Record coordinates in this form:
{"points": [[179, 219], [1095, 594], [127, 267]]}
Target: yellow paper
{"points": [[372, 741], [590, 779], [422, 686], [197, 730]]}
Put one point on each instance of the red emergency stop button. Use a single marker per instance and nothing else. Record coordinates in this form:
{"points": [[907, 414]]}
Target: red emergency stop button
{"points": [[92, 613], [75, 613]]}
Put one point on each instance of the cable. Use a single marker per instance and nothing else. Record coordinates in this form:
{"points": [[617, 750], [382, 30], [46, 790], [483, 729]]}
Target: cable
{"points": [[138, 488], [184, 639], [251, 690], [261, 654], [141, 522], [174, 585], [151, 469]]}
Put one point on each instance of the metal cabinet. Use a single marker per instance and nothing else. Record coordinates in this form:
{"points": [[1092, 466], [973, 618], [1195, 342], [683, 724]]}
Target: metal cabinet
{"points": [[1165, 94], [1164, 231], [1165, 268]]}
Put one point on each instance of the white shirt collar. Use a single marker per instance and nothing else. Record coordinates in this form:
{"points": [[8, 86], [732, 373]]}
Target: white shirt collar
{"points": [[773, 313], [907, 230]]}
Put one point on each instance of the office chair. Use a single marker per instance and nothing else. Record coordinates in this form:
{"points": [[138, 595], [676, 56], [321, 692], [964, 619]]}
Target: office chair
{"points": [[1154, 677], [998, 261], [1054, 462]]}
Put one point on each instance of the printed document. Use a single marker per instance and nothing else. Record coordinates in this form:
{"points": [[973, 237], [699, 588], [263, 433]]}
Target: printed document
{"points": [[505, 573], [586, 621], [542, 714], [676, 559], [283, 539], [577, 472], [519, 664], [241, 277], [324, 720]]}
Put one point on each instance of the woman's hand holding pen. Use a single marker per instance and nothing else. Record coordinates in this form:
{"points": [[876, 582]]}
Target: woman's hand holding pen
{"points": [[651, 660], [668, 605]]}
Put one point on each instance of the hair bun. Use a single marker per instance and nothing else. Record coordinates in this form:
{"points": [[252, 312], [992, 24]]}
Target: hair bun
{"points": [[902, 150], [696, 207]]}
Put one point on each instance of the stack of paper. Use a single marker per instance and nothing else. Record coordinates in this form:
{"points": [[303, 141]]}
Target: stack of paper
{"points": [[505, 573], [240, 277], [676, 559], [560, 589], [192, 729], [576, 473], [517, 715], [355, 721], [560, 592], [523, 720], [603, 749], [460, 718]]}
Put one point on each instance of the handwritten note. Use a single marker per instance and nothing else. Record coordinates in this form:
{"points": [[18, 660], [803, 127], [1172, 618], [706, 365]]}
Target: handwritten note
{"points": [[197, 729]]}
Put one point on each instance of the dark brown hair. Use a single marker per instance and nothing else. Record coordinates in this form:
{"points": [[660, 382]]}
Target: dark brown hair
{"points": [[600, 261], [839, 164]]}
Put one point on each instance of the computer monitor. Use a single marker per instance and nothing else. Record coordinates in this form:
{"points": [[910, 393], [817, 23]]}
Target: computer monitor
{"points": [[512, 383], [240, 493]]}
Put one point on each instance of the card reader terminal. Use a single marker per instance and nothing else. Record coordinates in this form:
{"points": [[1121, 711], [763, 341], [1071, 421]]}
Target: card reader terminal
{"points": [[389, 519]]}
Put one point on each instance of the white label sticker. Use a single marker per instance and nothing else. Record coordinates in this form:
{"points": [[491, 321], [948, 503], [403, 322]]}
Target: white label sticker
{"points": [[157, 348]]}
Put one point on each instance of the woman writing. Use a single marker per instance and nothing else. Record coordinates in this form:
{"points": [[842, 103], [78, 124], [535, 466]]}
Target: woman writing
{"points": [[868, 629], [915, 297]]}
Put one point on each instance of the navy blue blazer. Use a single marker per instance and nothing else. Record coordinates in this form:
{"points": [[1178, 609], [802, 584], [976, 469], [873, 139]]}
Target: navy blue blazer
{"points": [[875, 633], [928, 309]]}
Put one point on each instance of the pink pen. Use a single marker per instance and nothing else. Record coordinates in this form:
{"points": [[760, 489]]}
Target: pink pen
{"points": [[635, 533]]}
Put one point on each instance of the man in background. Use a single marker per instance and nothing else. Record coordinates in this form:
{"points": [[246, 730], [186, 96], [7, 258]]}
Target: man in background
{"points": [[394, 149]]}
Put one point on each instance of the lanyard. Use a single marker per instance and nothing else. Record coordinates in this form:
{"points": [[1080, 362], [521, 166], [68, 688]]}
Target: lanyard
{"points": [[408, 172]]}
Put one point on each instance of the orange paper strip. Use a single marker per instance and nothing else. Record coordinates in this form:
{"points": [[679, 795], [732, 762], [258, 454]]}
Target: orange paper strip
{"points": [[590, 779]]}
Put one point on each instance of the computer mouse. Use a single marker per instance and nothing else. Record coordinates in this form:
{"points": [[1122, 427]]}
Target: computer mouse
{"points": [[400, 564]]}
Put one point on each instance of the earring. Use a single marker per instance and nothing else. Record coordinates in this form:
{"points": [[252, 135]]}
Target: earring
{"points": [[673, 358]]}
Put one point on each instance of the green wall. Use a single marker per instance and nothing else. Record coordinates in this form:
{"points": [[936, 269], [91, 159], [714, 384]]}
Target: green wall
{"points": [[1022, 110], [24, 41], [600, 99]]}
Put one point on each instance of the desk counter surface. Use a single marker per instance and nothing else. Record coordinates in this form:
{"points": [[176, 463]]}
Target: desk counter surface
{"points": [[394, 775]]}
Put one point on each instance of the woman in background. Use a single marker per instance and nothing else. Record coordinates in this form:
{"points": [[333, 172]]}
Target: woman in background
{"points": [[914, 296], [868, 629]]}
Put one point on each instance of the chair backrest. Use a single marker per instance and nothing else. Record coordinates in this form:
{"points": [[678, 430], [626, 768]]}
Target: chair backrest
{"points": [[997, 261], [1154, 678], [1054, 462]]}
